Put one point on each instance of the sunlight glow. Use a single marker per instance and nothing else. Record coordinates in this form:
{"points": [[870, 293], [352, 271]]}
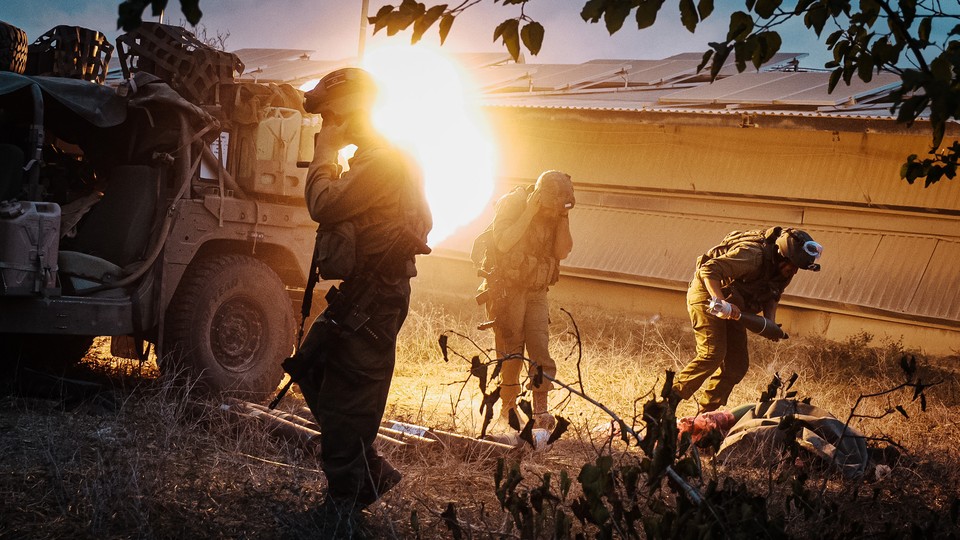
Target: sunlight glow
{"points": [[428, 107]]}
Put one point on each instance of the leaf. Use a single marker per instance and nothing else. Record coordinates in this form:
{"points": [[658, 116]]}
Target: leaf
{"points": [[741, 24], [445, 23], [526, 434], [901, 410], [532, 36], [942, 68], [765, 8], [768, 44], [723, 51], [955, 31], [423, 23], [704, 8], [130, 14], [614, 16], [865, 67], [647, 13], [688, 15], [816, 18], [562, 425], [923, 30], [834, 79], [703, 62], [923, 402], [443, 346], [509, 32], [593, 10], [449, 517], [513, 420], [832, 38], [380, 19], [191, 10], [479, 370]]}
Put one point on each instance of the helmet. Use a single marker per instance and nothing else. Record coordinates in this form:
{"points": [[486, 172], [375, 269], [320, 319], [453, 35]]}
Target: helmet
{"points": [[799, 248], [558, 185], [340, 93]]}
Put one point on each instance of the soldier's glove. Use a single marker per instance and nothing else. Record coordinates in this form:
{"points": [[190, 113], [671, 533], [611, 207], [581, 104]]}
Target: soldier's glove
{"points": [[722, 309]]}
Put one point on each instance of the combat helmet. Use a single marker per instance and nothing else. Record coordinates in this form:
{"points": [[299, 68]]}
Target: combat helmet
{"points": [[798, 247], [340, 93]]}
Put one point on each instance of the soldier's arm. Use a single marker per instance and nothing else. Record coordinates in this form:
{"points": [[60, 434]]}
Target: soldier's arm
{"points": [[737, 263], [370, 182]]}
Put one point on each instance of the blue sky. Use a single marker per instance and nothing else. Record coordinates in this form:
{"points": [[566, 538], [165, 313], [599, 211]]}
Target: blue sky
{"points": [[331, 27]]}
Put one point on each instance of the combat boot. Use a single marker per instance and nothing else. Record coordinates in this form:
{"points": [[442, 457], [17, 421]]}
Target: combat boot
{"points": [[542, 419]]}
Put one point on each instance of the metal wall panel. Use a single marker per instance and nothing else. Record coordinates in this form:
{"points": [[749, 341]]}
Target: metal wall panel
{"points": [[938, 292]]}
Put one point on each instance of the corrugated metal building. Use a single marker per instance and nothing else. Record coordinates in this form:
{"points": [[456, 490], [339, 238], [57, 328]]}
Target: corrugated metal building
{"points": [[665, 164]]}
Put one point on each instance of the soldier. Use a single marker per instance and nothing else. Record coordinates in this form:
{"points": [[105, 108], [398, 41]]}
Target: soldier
{"points": [[362, 212], [747, 272], [530, 236]]}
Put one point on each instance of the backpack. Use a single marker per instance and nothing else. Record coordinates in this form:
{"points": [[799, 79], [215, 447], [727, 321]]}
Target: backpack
{"points": [[481, 244], [766, 238]]}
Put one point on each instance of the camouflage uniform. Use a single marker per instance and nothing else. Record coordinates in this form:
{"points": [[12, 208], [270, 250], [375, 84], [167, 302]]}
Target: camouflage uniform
{"points": [[347, 388], [748, 271], [519, 291]]}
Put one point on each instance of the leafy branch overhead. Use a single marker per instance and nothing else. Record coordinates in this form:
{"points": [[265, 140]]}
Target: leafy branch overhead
{"points": [[865, 37]]}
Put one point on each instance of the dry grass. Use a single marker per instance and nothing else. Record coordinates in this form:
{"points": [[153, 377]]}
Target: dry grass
{"points": [[146, 458]]}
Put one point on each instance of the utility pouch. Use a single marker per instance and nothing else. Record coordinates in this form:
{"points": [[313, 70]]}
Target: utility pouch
{"points": [[337, 250]]}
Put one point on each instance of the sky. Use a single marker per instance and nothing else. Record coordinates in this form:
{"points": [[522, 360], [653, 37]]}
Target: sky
{"points": [[331, 28]]}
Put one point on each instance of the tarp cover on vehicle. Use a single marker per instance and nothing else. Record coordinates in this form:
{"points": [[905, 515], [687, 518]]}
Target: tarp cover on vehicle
{"points": [[99, 105], [103, 106]]}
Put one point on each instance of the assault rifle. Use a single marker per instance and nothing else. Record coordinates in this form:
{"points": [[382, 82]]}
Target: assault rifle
{"points": [[347, 312]]}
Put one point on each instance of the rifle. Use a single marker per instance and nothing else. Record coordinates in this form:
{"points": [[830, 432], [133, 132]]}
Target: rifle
{"points": [[346, 312]]}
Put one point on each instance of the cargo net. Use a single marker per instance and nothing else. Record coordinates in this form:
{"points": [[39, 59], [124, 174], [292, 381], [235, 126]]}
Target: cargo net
{"points": [[70, 51], [189, 66]]}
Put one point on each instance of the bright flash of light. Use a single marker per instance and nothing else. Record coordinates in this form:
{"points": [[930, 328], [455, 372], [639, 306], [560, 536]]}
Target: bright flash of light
{"points": [[428, 106]]}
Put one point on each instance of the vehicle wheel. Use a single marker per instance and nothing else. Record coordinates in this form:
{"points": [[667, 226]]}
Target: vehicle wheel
{"points": [[42, 350], [13, 48], [229, 325]]}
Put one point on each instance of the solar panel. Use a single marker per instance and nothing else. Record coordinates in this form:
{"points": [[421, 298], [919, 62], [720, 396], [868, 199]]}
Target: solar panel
{"points": [[479, 60], [564, 76], [499, 77], [787, 88], [254, 58], [294, 70]]}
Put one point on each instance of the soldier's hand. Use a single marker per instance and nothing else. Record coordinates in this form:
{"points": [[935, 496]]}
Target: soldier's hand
{"points": [[330, 140]]}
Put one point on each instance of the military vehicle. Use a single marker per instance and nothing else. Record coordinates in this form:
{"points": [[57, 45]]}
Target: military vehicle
{"points": [[163, 210]]}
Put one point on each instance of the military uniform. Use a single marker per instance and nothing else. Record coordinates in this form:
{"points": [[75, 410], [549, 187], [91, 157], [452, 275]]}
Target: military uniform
{"points": [[746, 265], [347, 387], [518, 291]]}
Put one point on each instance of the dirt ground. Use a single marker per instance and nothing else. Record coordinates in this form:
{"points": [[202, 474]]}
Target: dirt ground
{"points": [[127, 453]]}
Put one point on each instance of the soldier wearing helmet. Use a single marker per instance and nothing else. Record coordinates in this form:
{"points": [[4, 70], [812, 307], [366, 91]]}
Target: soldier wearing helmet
{"points": [[530, 236], [747, 272], [380, 196]]}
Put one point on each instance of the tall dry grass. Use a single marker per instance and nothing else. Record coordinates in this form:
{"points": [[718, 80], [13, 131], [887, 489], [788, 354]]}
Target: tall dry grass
{"points": [[149, 457]]}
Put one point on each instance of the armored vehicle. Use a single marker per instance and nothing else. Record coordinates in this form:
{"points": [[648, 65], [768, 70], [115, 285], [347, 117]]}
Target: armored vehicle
{"points": [[163, 210]]}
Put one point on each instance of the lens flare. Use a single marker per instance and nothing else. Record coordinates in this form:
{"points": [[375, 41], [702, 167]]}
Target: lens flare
{"points": [[428, 105]]}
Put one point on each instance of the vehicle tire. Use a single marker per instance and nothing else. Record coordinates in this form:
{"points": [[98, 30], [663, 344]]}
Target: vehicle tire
{"points": [[229, 326], [55, 351], [13, 48]]}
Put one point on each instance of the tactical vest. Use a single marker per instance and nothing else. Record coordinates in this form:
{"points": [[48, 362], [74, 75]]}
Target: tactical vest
{"points": [[530, 263], [753, 291]]}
